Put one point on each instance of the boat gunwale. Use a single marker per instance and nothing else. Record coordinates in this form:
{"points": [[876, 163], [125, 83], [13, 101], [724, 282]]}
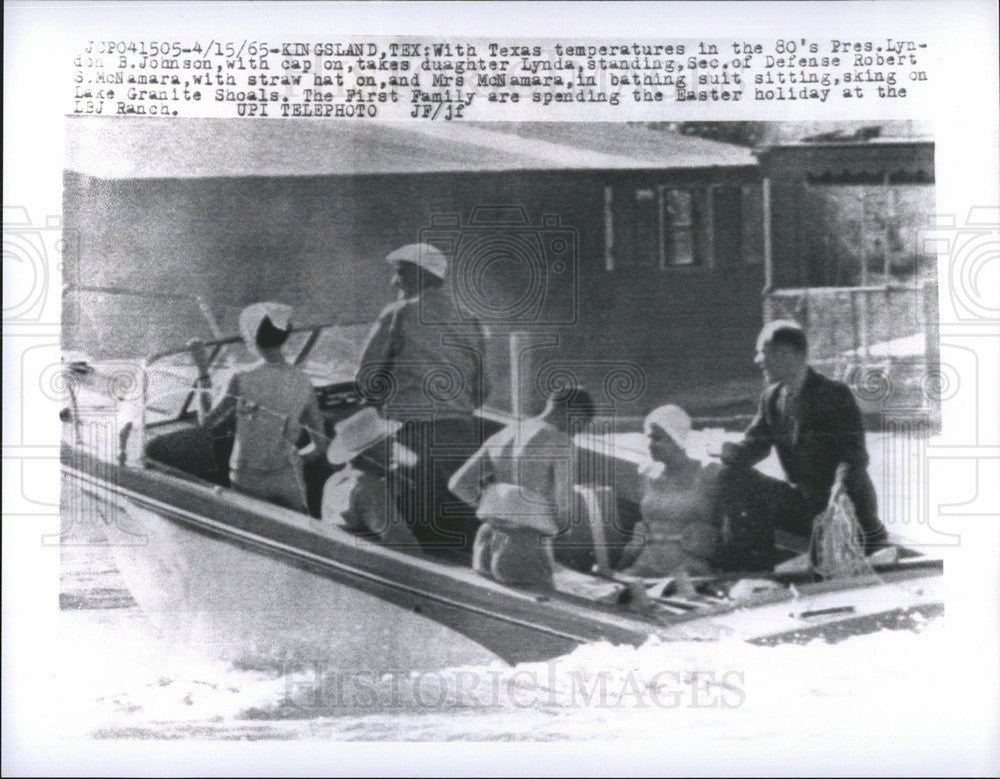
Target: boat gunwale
{"points": [[551, 601], [558, 604]]}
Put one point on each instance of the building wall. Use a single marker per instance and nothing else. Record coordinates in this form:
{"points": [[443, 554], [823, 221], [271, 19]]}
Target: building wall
{"points": [[846, 235], [636, 336], [851, 262], [882, 342]]}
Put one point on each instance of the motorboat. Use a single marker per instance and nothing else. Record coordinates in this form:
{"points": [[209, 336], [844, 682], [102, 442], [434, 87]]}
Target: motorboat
{"points": [[195, 551]]}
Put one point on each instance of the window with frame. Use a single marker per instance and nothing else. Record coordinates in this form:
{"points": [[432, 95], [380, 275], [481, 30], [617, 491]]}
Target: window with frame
{"points": [[635, 226], [656, 226], [680, 237]]}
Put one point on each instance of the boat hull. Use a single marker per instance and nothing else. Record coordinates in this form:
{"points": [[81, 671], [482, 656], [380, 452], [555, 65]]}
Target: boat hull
{"points": [[214, 566], [244, 603]]}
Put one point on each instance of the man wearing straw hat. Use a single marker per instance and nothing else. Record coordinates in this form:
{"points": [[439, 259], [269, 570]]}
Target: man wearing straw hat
{"points": [[359, 494], [422, 367]]}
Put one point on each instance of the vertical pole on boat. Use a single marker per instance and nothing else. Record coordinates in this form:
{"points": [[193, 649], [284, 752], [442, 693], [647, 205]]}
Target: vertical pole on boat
{"points": [[768, 262], [206, 311], [524, 397], [517, 351]]}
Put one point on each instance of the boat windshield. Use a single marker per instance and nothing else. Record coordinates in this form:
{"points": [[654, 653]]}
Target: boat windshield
{"points": [[328, 353]]}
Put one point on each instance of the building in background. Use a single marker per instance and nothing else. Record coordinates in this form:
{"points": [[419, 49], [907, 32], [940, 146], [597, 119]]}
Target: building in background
{"points": [[623, 257], [849, 258], [639, 260]]}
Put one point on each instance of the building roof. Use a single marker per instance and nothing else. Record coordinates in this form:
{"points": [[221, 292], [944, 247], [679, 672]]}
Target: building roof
{"points": [[851, 160], [152, 148], [848, 143]]}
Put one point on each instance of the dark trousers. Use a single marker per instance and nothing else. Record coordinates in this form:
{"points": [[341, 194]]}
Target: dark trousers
{"points": [[441, 522], [793, 510]]}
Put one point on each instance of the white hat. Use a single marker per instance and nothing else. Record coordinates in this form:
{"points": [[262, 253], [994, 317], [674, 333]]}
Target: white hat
{"points": [[673, 420], [355, 434], [253, 315], [428, 257]]}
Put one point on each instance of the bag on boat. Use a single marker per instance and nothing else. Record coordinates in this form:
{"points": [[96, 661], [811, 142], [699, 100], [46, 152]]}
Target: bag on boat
{"points": [[836, 548]]}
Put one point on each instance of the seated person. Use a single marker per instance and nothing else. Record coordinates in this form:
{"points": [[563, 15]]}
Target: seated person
{"points": [[815, 425], [693, 518], [678, 504], [273, 401], [519, 480], [358, 494]]}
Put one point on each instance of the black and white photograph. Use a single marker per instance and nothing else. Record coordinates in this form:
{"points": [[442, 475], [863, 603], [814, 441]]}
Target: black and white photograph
{"points": [[499, 397], [644, 429]]}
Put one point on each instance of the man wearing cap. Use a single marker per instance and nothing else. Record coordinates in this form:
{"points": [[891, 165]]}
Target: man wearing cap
{"points": [[422, 366], [815, 425]]}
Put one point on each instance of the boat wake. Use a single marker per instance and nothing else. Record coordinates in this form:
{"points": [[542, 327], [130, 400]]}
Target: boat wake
{"points": [[145, 688]]}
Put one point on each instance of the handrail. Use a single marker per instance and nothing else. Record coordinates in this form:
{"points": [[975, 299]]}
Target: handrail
{"points": [[218, 345], [232, 339]]}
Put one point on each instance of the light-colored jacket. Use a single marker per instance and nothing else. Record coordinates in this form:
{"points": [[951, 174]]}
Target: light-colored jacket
{"points": [[422, 357]]}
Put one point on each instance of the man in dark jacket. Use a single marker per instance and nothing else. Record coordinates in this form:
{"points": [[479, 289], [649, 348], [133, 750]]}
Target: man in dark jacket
{"points": [[815, 424]]}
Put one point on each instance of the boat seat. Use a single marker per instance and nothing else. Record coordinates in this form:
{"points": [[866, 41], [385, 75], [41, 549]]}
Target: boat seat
{"points": [[187, 447], [595, 506]]}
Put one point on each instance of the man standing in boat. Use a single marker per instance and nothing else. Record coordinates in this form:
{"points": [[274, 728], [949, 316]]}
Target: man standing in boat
{"points": [[815, 425], [422, 366]]}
